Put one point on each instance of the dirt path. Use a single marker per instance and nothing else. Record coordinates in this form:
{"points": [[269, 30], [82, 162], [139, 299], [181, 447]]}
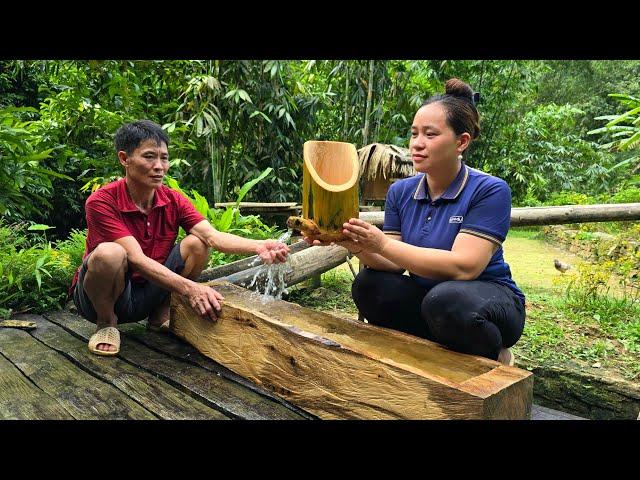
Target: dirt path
{"points": [[531, 261]]}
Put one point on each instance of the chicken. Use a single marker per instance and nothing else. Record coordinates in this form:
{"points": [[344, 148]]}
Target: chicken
{"points": [[310, 229], [561, 266]]}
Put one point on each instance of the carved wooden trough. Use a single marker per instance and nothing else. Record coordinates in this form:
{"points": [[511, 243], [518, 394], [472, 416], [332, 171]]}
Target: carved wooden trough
{"points": [[339, 368]]}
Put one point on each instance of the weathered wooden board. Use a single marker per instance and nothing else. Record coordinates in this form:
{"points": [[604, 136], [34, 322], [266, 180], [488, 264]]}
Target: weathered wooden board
{"points": [[228, 397], [156, 395], [82, 395], [340, 368], [175, 347], [20, 399], [539, 412]]}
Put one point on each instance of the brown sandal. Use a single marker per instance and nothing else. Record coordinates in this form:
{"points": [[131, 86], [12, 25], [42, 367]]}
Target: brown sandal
{"points": [[108, 335]]}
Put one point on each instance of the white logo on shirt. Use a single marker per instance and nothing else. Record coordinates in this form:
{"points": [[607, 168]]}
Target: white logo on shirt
{"points": [[455, 219]]}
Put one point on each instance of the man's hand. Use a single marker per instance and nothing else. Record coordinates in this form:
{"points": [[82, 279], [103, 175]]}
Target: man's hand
{"points": [[272, 251], [205, 301]]}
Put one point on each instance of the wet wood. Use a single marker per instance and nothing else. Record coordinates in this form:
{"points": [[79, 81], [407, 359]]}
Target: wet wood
{"points": [[341, 368], [231, 399], [157, 396], [20, 399], [330, 172], [526, 216], [580, 392], [81, 394]]}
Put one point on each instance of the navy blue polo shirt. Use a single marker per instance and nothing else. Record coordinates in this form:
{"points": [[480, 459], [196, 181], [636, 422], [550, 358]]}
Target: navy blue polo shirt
{"points": [[475, 203]]}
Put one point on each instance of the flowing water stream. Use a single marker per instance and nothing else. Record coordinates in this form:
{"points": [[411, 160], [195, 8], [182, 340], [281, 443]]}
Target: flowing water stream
{"points": [[269, 281]]}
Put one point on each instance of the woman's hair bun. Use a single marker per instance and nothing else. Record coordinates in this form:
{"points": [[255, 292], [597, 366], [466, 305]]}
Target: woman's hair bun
{"points": [[458, 88]]}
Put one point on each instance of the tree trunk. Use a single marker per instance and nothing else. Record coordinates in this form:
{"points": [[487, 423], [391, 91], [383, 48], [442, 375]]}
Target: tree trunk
{"points": [[367, 112], [346, 102], [305, 264], [379, 110], [244, 264]]}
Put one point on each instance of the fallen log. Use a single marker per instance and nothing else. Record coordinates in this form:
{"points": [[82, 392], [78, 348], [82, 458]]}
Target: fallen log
{"points": [[528, 216], [305, 264], [243, 264], [344, 369]]}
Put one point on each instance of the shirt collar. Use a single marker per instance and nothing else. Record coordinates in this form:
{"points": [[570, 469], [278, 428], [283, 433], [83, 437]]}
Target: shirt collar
{"points": [[124, 203], [451, 193]]}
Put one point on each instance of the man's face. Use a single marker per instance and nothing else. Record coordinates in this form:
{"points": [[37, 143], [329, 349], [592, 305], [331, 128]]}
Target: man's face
{"points": [[147, 164]]}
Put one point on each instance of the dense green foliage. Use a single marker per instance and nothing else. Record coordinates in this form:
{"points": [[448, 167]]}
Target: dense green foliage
{"points": [[230, 120], [38, 273], [35, 272], [559, 132]]}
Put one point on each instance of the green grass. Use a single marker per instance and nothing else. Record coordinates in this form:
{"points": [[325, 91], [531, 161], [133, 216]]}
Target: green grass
{"points": [[531, 233], [602, 333], [334, 296]]}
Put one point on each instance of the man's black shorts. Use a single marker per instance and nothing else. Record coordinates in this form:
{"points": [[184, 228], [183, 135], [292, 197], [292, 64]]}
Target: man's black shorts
{"points": [[137, 299]]}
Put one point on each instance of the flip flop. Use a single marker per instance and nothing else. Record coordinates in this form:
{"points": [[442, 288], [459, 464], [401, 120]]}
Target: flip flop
{"points": [[159, 328], [109, 335]]}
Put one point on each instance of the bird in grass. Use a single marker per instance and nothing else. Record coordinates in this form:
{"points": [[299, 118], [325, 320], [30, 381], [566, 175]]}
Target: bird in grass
{"points": [[561, 266]]}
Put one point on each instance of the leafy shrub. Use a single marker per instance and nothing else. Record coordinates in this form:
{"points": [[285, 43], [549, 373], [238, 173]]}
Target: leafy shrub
{"points": [[25, 183], [588, 298], [229, 220], [569, 198], [36, 276], [627, 195]]}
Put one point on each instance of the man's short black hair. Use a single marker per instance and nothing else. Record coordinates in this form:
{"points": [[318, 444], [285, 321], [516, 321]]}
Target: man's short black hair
{"points": [[131, 135]]}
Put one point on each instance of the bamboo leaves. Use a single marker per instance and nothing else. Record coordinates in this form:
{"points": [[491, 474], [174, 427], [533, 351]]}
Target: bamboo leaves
{"points": [[626, 137]]}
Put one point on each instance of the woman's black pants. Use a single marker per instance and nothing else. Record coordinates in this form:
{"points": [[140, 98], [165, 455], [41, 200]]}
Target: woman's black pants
{"points": [[474, 317]]}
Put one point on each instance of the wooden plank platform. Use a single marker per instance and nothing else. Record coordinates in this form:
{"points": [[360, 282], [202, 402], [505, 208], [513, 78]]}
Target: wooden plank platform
{"points": [[47, 373]]}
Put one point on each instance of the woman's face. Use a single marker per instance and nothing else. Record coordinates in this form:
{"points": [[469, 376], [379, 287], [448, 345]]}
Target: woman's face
{"points": [[433, 143]]}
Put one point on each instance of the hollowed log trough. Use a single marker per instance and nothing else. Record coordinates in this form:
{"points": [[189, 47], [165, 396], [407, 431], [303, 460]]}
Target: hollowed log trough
{"points": [[338, 368]]}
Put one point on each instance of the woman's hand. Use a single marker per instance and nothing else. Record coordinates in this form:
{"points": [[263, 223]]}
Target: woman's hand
{"points": [[350, 245], [365, 236]]}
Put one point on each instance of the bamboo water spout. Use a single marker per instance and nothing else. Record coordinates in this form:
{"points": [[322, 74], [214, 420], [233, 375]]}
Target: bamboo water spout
{"points": [[329, 189]]}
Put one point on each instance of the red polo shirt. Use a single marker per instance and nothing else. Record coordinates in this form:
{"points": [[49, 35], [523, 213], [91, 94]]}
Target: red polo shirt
{"points": [[111, 214]]}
